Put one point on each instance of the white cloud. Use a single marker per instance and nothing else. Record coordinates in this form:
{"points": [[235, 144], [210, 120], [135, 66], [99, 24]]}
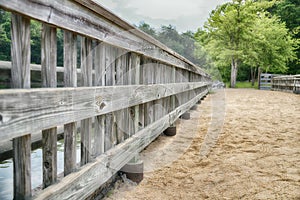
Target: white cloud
{"points": [[168, 10], [183, 14]]}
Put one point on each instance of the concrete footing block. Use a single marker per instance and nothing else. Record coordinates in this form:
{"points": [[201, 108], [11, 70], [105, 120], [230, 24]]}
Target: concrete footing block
{"points": [[171, 131], [186, 115], [134, 171], [194, 107]]}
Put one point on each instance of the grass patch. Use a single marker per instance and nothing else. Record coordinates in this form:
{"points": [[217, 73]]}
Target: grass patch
{"points": [[244, 84]]}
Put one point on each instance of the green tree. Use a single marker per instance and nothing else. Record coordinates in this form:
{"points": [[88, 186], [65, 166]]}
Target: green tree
{"points": [[235, 34], [182, 43], [5, 37], [271, 47], [147, 29], [289, 12]]}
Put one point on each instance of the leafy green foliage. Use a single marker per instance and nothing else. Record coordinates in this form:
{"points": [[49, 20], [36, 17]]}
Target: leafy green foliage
{"points": [[5, 37], [35, 43], [243, 33], [183, 44], [289, 12]]}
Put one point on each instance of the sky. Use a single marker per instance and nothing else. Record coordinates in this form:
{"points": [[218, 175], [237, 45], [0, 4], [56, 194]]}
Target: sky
{"points": [[183, 14]]}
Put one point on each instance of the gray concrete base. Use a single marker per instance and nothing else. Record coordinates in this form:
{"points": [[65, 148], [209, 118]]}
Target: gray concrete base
{"points": [[171, 131], [186, 115], [194, 107], [134, 171]]}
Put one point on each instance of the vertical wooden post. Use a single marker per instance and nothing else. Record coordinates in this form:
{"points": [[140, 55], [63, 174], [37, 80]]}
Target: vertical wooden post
{"points": [[87, 79], [110, 79], [20, 73], [120, 115], [99, 81], [173, 80], [141, 106], [158, 79], [49, 136], [148, 80], [136, 62], [131, 81], [70, 80]]}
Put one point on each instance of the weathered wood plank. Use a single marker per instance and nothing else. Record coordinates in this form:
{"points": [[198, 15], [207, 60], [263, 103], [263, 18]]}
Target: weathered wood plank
{"points": [[49, 136], [37, 109], [120, 74], [148, 80], [70, 80], [131, 81], [99, 133], [82, 183], [136, 64], [20, 73], [159, 78], [36, 67], [91, 21], [86, 79], [110, 139]]}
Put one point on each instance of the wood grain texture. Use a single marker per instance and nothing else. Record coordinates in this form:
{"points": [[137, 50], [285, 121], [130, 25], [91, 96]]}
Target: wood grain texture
{"points": [[70, 80], [20, 73], [110, 54], [38, 109], [49, 79], [82, 183], [120, 75], [49, 145], [136, 64], [86, 81], [99, 133]]}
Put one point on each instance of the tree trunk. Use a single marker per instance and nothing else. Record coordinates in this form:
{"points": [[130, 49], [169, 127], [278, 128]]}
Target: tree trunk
{"points": [[253, 73], [258, 76], [234, 69]]}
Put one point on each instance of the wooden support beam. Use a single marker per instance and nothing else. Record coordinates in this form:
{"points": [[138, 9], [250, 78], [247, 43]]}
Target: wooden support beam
{"points": [[65, 105], [99, 133], [70, 79], [20, 73], [49, 136], [120, 76], [86, 79], [109, 140]]}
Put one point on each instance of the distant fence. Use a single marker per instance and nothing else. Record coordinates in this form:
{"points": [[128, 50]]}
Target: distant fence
{"points": [[286, 83], [265, 81], [127, 90]]}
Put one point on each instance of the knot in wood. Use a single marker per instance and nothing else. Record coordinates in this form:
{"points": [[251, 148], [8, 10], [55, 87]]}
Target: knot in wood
{"points": [[100, 103]]}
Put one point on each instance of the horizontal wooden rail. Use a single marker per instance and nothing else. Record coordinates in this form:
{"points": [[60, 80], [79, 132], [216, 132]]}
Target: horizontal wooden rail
{"points": [[81, 184], [286, 83], [33, 67], [27, 110]]}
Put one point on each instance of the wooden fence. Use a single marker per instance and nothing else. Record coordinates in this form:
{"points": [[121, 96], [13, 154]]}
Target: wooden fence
{"points": [[127, 89], [265, 81], [286, 83]]}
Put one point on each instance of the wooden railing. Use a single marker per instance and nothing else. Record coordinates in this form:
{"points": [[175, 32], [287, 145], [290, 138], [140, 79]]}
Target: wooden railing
{"points": [[127, 90], [286, 83]]}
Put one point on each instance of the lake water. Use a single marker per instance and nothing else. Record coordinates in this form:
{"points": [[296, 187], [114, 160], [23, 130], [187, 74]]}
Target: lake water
{"points": [[6, 170]]}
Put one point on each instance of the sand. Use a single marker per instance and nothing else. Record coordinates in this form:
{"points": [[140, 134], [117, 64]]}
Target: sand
{"points": [[238, 144]]}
